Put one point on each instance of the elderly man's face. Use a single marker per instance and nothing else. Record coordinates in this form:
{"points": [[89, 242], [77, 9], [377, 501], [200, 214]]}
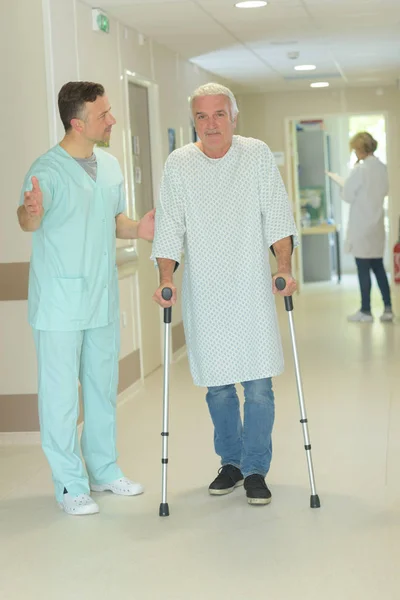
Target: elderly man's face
{"points": [[214, 124]]}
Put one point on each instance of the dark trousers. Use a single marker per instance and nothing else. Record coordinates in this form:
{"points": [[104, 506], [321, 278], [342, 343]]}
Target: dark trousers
{"points": [[364, 268]]}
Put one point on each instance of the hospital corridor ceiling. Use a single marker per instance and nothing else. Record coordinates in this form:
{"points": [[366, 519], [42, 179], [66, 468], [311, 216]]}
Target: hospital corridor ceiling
{"points": [[351, 42]]}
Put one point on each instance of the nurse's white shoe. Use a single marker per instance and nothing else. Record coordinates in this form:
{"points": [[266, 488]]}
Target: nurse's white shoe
{"points": [[388, 316], [79, 505], [360, 317], [121, 487]]}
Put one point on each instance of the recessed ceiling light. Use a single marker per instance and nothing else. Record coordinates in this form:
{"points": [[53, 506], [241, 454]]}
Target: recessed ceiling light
{"points": [[305, 68], [251, 4], [320, 84]]}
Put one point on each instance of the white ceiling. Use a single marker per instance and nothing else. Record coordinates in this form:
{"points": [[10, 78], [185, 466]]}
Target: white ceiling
{"points": [[352, 42]]}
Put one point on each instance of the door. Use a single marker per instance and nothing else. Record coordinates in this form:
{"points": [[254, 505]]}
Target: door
{"points": [[143, 202], [294, 194]]}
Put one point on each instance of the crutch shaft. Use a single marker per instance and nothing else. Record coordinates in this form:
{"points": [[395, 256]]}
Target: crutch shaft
{"points": [[164, 508], [314, 500], [303, 412], [165, 432]]}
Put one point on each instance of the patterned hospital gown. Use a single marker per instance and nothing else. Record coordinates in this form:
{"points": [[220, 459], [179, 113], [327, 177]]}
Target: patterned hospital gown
{"points": [[225, 213]]}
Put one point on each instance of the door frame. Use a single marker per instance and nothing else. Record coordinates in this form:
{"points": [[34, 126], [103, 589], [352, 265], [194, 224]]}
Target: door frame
{"points": [[293, 190], [157, 163], [157, 167], [292, 180]]}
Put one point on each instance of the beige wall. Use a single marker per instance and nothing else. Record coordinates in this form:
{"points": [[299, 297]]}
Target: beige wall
{"points": [[263, 116], [25, 133], [65, 49]]}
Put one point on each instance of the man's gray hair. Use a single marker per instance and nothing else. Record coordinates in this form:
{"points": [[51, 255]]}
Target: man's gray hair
{"points": [[215, 89]]}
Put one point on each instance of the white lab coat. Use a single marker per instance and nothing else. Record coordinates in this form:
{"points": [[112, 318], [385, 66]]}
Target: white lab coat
{"points": [[365, 190]]}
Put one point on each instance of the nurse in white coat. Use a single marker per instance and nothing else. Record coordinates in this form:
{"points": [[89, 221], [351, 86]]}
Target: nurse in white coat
{"points": [[365, 191], [73, 202]]}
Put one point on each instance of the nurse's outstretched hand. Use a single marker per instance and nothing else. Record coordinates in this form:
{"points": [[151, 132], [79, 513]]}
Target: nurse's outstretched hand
{"points": [[146, 226], [33, 200]]}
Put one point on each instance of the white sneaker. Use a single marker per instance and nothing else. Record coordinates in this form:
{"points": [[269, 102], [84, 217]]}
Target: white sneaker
{"points": [[121, 487], [387, 316], [78, 505], [360, 317]]}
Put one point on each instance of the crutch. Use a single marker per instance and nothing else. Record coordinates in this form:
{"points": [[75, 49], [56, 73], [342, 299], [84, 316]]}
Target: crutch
{"points": [[164, 508], [314, 500]]}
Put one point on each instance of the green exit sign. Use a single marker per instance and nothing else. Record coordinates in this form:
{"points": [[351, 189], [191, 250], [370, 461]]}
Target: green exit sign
{"points": [[101, 22]]}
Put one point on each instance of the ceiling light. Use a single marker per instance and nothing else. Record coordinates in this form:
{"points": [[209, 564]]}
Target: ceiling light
{"points": [[320, 84], [251, 4], [305, 68]]}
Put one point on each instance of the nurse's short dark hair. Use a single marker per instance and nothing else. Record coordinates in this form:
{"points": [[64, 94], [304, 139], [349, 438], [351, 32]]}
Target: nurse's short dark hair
{"points": [[72, 99]]}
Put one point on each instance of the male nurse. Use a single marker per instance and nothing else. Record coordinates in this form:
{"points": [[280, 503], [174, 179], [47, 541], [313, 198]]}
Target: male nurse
{"points": [[73, 201]]}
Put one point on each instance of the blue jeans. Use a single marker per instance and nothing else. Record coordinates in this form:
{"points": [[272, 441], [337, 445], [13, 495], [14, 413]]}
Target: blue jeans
{"points": [[247, 446], [364, 268]]}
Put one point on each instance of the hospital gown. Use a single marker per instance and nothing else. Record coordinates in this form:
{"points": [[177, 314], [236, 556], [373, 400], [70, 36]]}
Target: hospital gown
{"points": [[225, 214]]}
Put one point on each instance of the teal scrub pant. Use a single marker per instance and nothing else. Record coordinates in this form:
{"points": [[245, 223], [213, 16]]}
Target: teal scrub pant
{"points": [[64, 357]]}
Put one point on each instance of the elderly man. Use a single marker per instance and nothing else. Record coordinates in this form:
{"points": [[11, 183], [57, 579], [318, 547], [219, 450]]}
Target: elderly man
{"points": [[222, 199]]}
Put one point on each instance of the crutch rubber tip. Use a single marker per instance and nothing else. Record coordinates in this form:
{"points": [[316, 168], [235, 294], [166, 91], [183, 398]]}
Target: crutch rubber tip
{"points": [[314, 501], [164, 509]]}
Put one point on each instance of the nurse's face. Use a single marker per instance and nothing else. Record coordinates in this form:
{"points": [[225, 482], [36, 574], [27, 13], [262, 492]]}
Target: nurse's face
{"points": [[98, 120], [214, 124]]}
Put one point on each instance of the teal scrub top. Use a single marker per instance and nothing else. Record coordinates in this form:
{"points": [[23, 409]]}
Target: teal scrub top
{"points": [[73, 279]]}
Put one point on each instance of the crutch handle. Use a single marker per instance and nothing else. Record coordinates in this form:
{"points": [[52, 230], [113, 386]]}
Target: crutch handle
{"points": [[167, 295], [280, 283]]}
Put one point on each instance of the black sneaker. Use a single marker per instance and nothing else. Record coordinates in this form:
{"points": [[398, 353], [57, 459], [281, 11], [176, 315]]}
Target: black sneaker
{"points": [[256, 490], [229, 477]]}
